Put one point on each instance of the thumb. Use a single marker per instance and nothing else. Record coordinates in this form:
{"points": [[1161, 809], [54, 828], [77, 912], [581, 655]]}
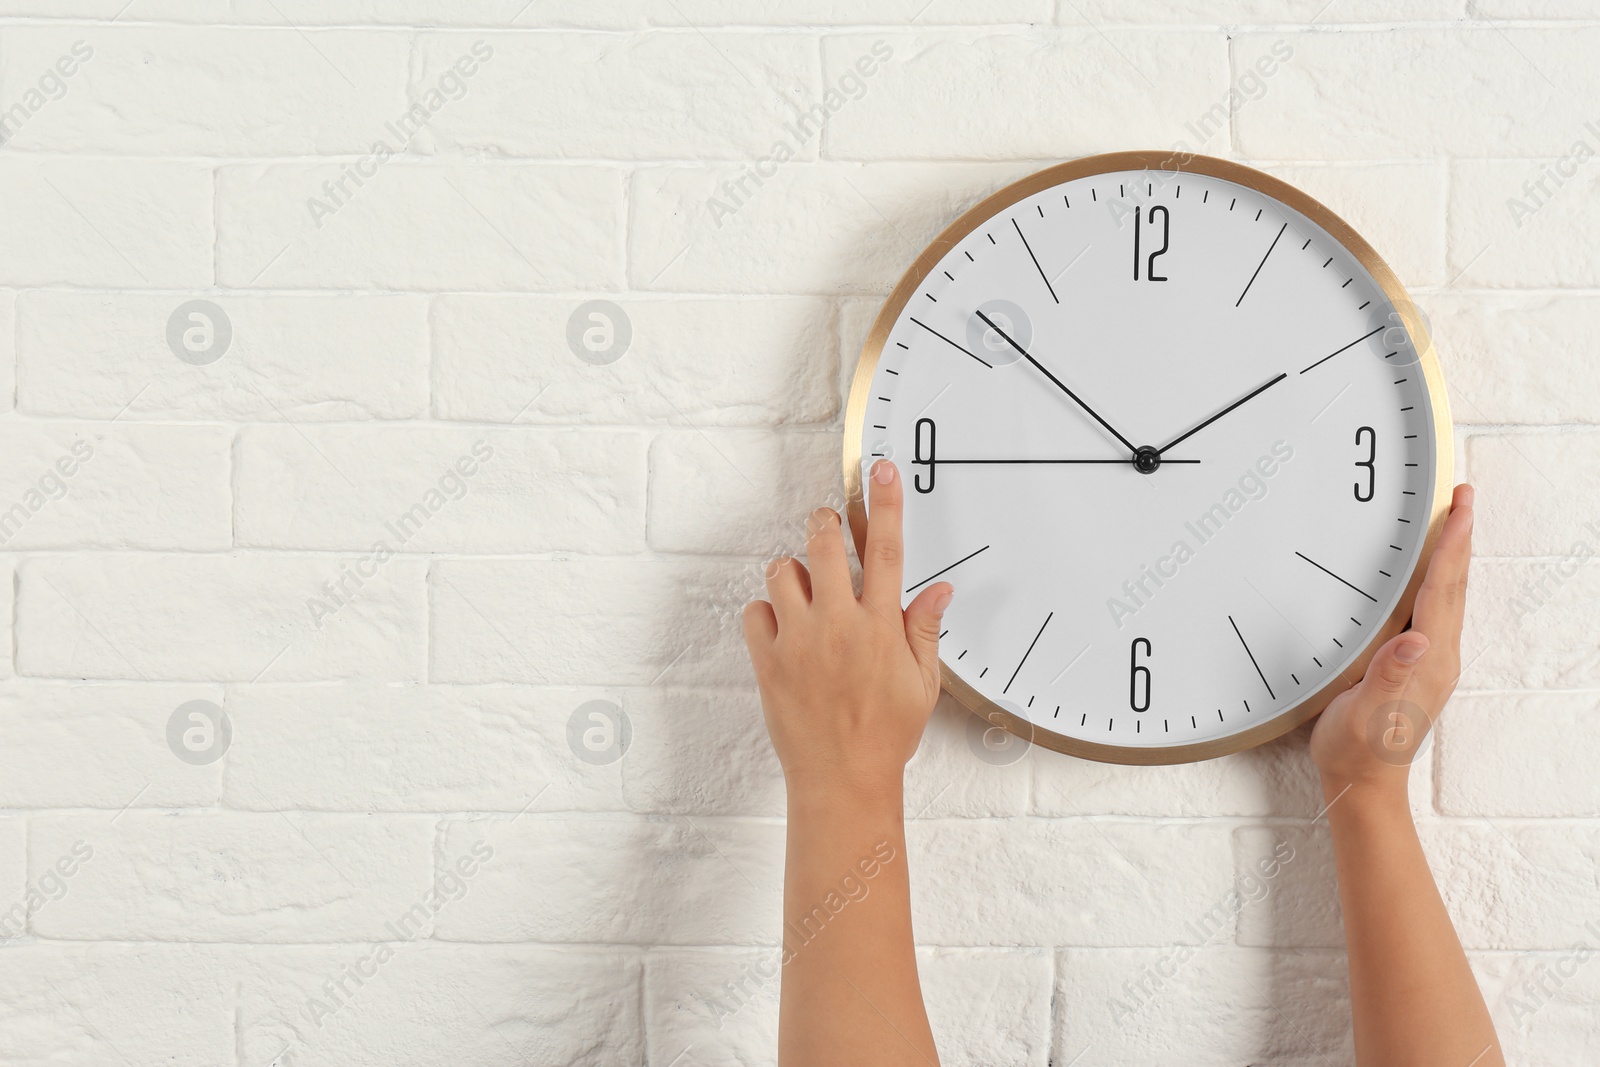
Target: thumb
{"points": [[922, 618], [1391, 669]]}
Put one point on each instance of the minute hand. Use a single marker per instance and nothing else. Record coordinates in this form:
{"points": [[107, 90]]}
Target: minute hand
{"points": [[1257, 391], [1059, 384]]}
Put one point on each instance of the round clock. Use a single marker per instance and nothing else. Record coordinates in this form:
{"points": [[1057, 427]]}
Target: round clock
{"points": [[1179, 439]]}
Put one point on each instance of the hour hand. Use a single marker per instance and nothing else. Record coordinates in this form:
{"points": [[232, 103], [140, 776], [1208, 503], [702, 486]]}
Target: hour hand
{"points": [[1257, 391]]}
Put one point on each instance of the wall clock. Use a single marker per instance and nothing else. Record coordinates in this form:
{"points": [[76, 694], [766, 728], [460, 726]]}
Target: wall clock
{"points": [[1178, 437]]}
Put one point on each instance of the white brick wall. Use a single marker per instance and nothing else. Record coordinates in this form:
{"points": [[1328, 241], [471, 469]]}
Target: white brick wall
{"points": [[397, 720]]}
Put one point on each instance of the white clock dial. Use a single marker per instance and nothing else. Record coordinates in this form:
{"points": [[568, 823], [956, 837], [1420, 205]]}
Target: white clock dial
{"points": [[1174, 443]]}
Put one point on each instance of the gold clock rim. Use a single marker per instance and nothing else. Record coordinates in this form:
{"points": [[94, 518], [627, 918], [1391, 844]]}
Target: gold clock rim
{"points": [[1166, 162]]}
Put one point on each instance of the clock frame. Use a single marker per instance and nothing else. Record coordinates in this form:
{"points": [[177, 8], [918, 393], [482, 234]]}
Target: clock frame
{"points": [[1167, 162]]}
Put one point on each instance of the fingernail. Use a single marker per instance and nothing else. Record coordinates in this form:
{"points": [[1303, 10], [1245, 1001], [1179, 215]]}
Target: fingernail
{"points": [[1408, 652], [883, 472], [822, 515], [1469, 497], [942, 601]]}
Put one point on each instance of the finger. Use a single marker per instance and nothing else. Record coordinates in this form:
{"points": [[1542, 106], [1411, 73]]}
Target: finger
{"points": [[881, 565], [760, 629], [830, 569], [1442, 599], [789, 589], [1390, 673], [924, 616]]}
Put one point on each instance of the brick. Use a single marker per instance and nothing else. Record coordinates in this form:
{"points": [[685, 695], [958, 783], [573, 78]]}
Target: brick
{"points": [[1506, 233], [987, 1006], [279, 12], [116, 1003], [1289, 894], [715, 1007], [856, 12], [8, 352], [1481, 338], [1274, 779], [176, 91], [539, 1006], [219, 618], [100, 746], [961, 770], [13, 875], [689, 362], [810, 228], [700, 752], [228, 876], [1419, 93], [1532, 10], [101, 355], [762, 486], [1257, 12], [1542, 1002], [533, 621], [1529, 624], [8, 613], [1518, 755], [1516, 885], [856, 316], [432, 489], [415, 748], [1000, 94], [420, 226], [1219, 1005], [1397, 207], [601, 96], [74, 485], [600, 14], [973, 886], [106, 222], [1535, 493], [657, 881]]}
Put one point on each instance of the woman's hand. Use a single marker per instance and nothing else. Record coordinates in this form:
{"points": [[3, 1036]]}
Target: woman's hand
{"points": [[1368, 736], [847, 682]]}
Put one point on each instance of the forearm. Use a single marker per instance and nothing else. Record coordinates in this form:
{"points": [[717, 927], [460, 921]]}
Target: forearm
{"points": [[1414, 1000], [850, 992]]}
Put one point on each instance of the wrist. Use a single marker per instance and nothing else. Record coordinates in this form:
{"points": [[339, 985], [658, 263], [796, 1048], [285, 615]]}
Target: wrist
{"points": [[828, 794], [1380, 799]]}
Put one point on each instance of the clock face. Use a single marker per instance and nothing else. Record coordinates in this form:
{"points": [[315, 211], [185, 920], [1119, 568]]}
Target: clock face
{"points": [[1174, 443]]}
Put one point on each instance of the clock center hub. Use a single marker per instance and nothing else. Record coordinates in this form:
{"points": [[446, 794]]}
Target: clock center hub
{"points": [[1146, 460]]}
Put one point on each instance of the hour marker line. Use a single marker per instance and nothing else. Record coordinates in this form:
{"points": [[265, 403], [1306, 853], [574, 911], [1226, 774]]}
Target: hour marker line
{"points": [[952, 566], [1252, 656], [949, 342], [1028, 653], [1352, 344], [1335, 577], [1036, 266], [1263, 263]]}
